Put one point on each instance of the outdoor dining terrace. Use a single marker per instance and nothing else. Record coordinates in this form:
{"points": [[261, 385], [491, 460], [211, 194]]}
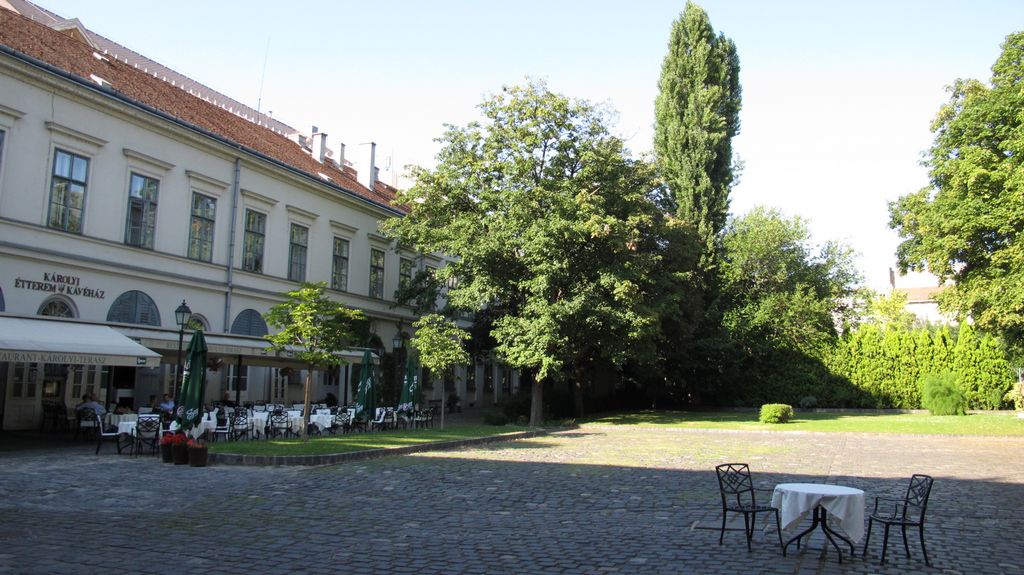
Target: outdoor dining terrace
{"points": [[133, 433]]}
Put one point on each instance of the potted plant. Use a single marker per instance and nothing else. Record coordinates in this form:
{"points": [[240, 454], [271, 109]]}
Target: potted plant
{"points": [[166, 445], [179, 448], [198, 452]]}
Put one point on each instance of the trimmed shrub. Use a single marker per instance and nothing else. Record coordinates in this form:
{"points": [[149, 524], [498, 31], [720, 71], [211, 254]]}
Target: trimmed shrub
{"points": [[941, 395], [808, 402], [776, 413]]}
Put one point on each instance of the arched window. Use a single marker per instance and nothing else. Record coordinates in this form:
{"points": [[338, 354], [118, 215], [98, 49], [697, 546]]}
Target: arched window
{"points": [[198, 321], [249, 322], [134, 307], [57, 306]]}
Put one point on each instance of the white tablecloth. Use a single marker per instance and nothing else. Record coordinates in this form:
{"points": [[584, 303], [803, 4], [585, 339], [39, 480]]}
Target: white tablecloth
{"points": [[321, 420], [204, 426], [259, 420], [112, 419], [843, 504]]}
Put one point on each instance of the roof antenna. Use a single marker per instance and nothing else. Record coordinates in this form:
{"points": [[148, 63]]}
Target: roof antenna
{"points": [[263, 76]]}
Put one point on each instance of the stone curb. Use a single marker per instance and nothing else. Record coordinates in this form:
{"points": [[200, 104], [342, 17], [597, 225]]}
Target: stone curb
{"points": [[595, 426], [329, 459]]}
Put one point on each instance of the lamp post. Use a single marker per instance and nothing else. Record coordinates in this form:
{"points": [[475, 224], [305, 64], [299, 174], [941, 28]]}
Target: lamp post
{"points": [[396, 346], [182, 315]]}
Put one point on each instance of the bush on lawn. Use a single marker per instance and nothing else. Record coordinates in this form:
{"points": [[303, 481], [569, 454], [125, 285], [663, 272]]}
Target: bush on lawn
{"points": [[941, 394], [776, 413]]}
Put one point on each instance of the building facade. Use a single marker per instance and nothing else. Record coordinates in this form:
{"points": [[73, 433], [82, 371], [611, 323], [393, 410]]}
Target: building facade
{"points": [[123, 196]]}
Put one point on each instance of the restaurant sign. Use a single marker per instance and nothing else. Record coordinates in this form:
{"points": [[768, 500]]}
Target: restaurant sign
{"points": [[61, 284], [54, 357]]}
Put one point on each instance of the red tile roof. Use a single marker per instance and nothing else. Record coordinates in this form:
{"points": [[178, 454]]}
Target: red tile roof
{"points": [[921, 294], [75, 57]]}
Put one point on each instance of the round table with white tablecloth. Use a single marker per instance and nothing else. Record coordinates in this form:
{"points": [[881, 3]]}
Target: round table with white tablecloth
{"points": [[843, 504]]}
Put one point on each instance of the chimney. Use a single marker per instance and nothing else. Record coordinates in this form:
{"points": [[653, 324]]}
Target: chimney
{"points": [[319, 145], [368, 175], [341, 156]]}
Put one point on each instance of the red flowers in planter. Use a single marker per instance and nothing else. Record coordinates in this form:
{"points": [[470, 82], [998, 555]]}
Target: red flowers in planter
{"points": [[196, 443], [173, 439]]}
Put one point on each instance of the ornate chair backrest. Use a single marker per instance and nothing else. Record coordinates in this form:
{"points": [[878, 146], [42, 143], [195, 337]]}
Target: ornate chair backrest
{"points": [[240, 418], [87, 414], [918, 491], [735, 483], [279, 420], [148, 426]]}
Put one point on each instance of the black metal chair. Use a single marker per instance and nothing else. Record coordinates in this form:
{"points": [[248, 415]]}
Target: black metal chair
{"points": [[278, 425], [86, 422], [739, 496], [906, 512], [121, 440], [241, 425], [147, 434], [339, 422]]}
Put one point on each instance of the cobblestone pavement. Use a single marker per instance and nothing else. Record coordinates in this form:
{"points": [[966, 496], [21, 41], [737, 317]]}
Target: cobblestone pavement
{"points": [[590, 500]]}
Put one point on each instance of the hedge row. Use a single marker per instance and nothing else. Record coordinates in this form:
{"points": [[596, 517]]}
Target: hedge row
{"points": [[875, 368], [890, 365]]}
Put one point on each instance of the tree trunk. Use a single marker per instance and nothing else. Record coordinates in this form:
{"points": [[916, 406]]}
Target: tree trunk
{"points": [[537, 403], [307, 399]]}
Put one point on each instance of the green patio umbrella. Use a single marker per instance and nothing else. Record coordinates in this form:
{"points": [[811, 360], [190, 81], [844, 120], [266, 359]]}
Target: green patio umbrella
{"points": [[190, 408], [365, 404], [410, 387]]}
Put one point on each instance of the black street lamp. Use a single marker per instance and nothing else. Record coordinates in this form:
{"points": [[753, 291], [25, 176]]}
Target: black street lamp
{"points": [[396, 345], [182, 316]]}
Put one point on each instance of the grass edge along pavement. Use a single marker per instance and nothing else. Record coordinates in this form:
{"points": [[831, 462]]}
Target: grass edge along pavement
{"points": [[1000, 423], [386, 445]]}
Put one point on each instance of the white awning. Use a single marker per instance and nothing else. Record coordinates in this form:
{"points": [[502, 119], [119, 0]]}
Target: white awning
{"points": [[253, 350], [61, 341]]}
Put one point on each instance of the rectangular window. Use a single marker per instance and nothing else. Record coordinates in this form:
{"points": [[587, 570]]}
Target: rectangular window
{"points": [[23, 384], [377, 273], [3, 134], [297, 242], [142, 196], [404, 272], [339, 265], [67, 191], [252, 245], [238, 381], [200, 239]]}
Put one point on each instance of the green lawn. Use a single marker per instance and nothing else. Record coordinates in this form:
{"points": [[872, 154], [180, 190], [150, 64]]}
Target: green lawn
{"points": [[342, 443], [975, 424]]}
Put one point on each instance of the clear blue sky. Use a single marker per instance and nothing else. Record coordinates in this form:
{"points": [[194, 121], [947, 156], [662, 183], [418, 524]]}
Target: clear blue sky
{"points": [[837, 102]]}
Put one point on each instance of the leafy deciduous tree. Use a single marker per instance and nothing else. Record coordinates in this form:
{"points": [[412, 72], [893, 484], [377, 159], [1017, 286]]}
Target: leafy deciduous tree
{"points": [[548, 220], [968, 224], [318, 327], [440, 343]]}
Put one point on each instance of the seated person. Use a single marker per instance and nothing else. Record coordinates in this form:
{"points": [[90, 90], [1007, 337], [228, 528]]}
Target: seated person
{"points": [[89, 402], [167, 405]]}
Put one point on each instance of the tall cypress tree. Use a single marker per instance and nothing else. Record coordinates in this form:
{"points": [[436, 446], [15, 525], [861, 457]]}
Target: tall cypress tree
{"points": [[696, 117]]}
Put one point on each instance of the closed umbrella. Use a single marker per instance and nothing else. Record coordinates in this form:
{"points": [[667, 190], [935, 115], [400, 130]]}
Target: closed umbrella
{"points": [[190, 409], [365, 403], [410, 388]]}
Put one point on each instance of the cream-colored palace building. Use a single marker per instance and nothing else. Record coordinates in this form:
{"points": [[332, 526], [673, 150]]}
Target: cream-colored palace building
{"points": [[127, 189]]}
